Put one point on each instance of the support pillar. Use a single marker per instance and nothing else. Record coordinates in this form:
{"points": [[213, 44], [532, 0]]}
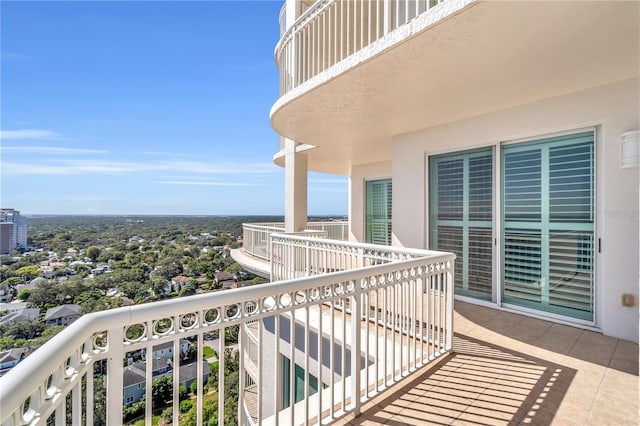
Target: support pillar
{"points": [[295, 177]]}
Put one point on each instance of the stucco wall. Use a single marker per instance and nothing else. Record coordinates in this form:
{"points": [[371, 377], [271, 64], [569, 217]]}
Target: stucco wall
{"points": [[613, 109]]}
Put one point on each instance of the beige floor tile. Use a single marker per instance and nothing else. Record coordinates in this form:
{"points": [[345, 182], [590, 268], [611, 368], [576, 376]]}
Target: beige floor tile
{"points": [[420, 418], [569, 413], [510, 369], [594, 347], [558, 339], [607, 406], [625, 357]]}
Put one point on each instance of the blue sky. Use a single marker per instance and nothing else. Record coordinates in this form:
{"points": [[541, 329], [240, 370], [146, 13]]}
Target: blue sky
{"points": [[144, 108]]}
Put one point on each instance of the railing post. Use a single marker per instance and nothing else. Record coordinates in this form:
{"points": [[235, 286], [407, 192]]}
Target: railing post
{"points": [[356, 309], [115, 376], [386, 17], [76, 405], [307, 259], [450, 290], [241, 373]]}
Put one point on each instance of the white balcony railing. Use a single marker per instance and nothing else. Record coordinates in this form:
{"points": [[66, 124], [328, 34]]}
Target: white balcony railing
{"points": [[256, 236], [332, 30], [354, 332]]}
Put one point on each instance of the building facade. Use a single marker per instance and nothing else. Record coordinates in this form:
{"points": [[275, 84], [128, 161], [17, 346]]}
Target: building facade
{"points": [[13, 230], [486, 129]]}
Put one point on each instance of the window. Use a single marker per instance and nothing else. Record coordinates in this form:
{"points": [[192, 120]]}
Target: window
{"points": [[461, 214], [299, 381], [548, 225], [378, 212]]}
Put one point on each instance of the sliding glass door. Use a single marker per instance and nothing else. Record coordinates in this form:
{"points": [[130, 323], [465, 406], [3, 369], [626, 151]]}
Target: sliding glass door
{"points": [[548, 225], [461, 215]]}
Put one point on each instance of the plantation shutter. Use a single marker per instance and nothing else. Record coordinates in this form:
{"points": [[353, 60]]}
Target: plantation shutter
{"points": [[378, 214], [548, 231], [461, 214]]}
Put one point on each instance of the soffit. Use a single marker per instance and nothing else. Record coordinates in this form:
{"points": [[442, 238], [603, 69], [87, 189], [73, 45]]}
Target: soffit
{"points": [[489, 56]]}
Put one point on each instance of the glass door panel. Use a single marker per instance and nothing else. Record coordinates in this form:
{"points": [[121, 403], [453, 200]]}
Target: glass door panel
{"points": [[548, 225], [461, 214]]}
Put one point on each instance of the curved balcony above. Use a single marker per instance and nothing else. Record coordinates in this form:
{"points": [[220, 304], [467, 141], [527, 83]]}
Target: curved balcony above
{"points": [[355, 74]]}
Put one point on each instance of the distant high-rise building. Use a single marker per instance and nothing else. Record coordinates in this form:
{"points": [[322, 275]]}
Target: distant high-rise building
{"points": [[13, 230]]}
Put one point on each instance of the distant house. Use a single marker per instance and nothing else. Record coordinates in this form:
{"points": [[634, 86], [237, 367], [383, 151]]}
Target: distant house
{"points": [[10, 358], [165, 350], [134, 380], [25, 314], [62, 315], [37, 280], [225, 280], [227, 285], [6, 294], [178, 282], [12, 307], [127, 302]]}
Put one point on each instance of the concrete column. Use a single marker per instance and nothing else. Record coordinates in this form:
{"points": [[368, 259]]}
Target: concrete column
{"points": [[295, 178], [293, 10]]}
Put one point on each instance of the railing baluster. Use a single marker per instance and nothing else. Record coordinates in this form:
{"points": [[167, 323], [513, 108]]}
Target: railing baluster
{"points": [[200, 374], [221, 363], [242, 347], [176, 372], [320, 363], [89, 397], [292, 366], [332, 360], [278, 365], [355, 304], [307, 374], [114, 376]]}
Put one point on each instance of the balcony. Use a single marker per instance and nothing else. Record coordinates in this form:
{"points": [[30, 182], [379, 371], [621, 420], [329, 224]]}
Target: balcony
{"points": [[375, 69], [255, 255], [358, 319], [384, 312]]}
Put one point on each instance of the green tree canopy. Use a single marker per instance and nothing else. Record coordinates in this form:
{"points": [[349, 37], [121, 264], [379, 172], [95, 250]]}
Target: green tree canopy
{"points": [[92, 253]]}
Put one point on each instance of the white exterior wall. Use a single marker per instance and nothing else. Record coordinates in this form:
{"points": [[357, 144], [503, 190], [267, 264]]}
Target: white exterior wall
{"points": [[613, 109]]}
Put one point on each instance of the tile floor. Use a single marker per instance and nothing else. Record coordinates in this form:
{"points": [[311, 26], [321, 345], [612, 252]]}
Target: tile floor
{"points": [[509, 369]]}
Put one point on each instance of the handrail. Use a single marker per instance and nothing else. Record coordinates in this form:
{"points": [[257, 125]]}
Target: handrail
{"points": [[332, 30], [70, 356]]}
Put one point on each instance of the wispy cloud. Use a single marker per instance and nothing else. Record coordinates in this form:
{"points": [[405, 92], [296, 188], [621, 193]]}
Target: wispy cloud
{"points": [[50, 150], [163, 154], [203, 183], [28, 134], [93, 166]]}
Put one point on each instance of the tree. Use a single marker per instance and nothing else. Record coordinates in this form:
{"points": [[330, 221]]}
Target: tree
{"points": [[13, 281], [92, 253], [161, 390], [24, 294], [100, 402], [30, 272], [231, 335], [183, 393], [95, 301]]}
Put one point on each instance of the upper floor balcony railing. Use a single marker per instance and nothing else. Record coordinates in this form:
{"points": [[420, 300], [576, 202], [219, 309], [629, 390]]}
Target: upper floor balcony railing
{"points": [[256, 238], [354, 330], [332, 30]]}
